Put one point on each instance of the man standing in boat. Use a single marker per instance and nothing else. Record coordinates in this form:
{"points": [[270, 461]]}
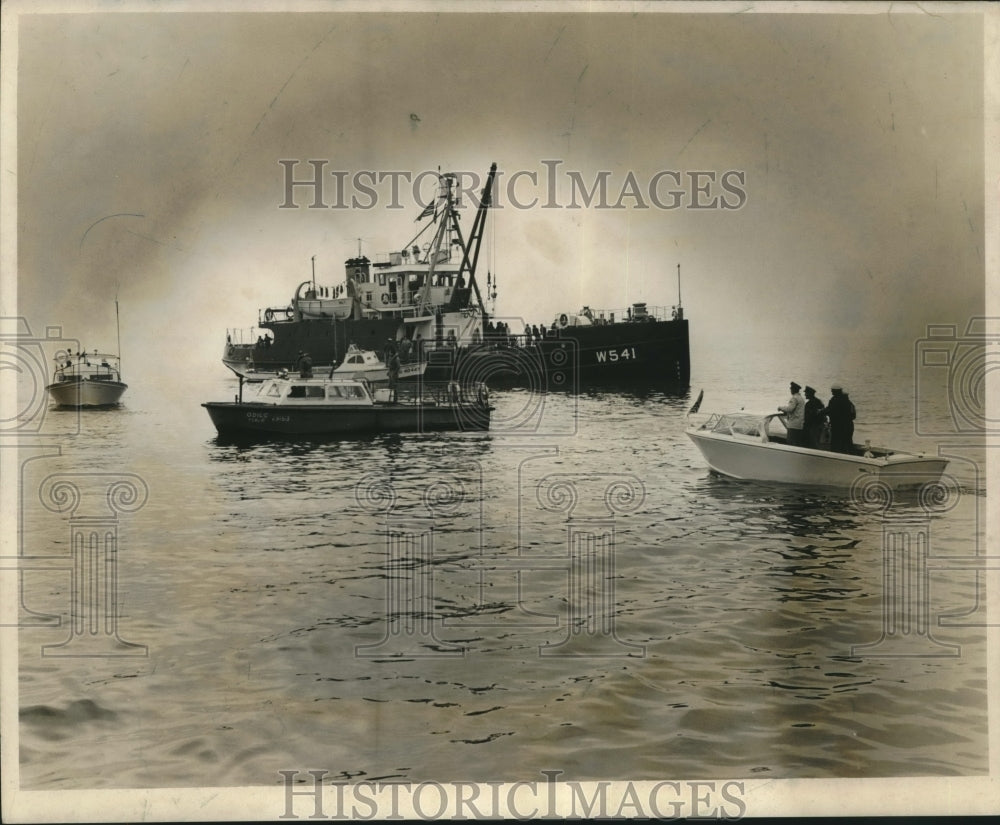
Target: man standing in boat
{"points": [[795, 416], [393, 373], [814, 419], [841, 413], [304, 365]]}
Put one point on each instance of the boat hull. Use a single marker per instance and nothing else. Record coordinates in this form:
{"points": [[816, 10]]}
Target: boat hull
{"points": [[236, 419], [86, 393], [771, 461]]}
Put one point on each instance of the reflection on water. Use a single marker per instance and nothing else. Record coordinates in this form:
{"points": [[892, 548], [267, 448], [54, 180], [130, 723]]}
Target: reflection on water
{"points": [[399, 607]]}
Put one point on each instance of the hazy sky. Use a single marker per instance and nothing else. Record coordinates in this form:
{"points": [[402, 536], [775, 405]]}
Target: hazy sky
{"points": [[149, 147]]}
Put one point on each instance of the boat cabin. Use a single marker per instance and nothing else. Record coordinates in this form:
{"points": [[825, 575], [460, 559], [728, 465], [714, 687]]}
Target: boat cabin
{"points": [[86, 366], [311, 391]]}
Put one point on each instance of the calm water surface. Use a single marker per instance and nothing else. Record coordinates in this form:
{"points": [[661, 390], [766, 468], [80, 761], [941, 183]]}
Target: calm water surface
{"points": [[284, 633]]}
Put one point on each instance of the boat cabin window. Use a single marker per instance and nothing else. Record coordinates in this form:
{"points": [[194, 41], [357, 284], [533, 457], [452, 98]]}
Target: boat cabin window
{"points": [[274, 391], [348, 391], [355, 359], [305, 391]]}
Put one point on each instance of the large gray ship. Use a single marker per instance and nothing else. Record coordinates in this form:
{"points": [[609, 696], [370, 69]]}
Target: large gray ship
{"points": [[424, 303]]}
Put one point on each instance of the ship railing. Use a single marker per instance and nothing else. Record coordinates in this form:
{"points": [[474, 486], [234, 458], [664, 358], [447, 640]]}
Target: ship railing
{"points": [[635, 313], [244, 335]]}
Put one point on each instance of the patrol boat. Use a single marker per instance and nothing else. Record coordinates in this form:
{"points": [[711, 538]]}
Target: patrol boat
{"points": [[325, 406]]}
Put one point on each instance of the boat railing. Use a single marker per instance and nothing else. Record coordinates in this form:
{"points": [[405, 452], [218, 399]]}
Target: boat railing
{"points": [[439, 393], [95, 367]]}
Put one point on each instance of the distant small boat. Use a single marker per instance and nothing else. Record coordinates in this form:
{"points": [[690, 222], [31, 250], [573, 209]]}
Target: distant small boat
{"points": [[743, 446], [340, 406], [87, 379], [365, 363]]}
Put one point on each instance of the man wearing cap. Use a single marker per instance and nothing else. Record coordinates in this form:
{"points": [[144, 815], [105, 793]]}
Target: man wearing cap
{"points": [[795, 416], [814, 419], [304, 364], [841, 413]]}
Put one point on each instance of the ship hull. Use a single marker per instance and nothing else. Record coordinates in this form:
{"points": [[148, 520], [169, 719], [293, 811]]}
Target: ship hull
{"points": [[643, 351], [572, 359], [575, 359]]}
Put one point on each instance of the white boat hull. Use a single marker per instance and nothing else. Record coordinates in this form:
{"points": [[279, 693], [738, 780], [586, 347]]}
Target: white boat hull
{"points": [[87, 393], [407, 372], [756, 460]]}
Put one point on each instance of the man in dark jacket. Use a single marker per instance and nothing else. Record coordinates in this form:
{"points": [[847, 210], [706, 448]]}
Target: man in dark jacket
{"points": [[814, 419], [841, 413]]}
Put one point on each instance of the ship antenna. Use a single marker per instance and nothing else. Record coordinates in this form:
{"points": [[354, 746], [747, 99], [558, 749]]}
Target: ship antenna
{"points": [[678, 286], [314, 272]]}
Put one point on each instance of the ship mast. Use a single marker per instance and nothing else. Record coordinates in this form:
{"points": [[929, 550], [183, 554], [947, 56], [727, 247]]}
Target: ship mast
{"points": [[434, 251], [476, 236]]}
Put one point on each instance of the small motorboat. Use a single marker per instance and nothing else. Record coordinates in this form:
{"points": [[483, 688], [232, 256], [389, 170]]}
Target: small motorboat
{"points": [[324, 406], [748, 446], [365, 363], [87, 379]]}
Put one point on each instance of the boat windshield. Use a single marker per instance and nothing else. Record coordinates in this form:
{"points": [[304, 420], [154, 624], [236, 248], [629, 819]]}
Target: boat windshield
{"points": [[738, 425]]}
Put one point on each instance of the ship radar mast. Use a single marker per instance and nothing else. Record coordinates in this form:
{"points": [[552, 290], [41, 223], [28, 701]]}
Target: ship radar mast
{"points": [[449, 227]]}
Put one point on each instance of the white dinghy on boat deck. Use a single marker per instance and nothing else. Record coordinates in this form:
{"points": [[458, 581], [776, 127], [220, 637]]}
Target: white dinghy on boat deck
{"points": [[748, 446]]}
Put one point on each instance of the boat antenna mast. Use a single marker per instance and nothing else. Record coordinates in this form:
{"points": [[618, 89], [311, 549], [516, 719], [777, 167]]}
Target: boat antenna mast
{"points": [[679, 312], [118, 327]]}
